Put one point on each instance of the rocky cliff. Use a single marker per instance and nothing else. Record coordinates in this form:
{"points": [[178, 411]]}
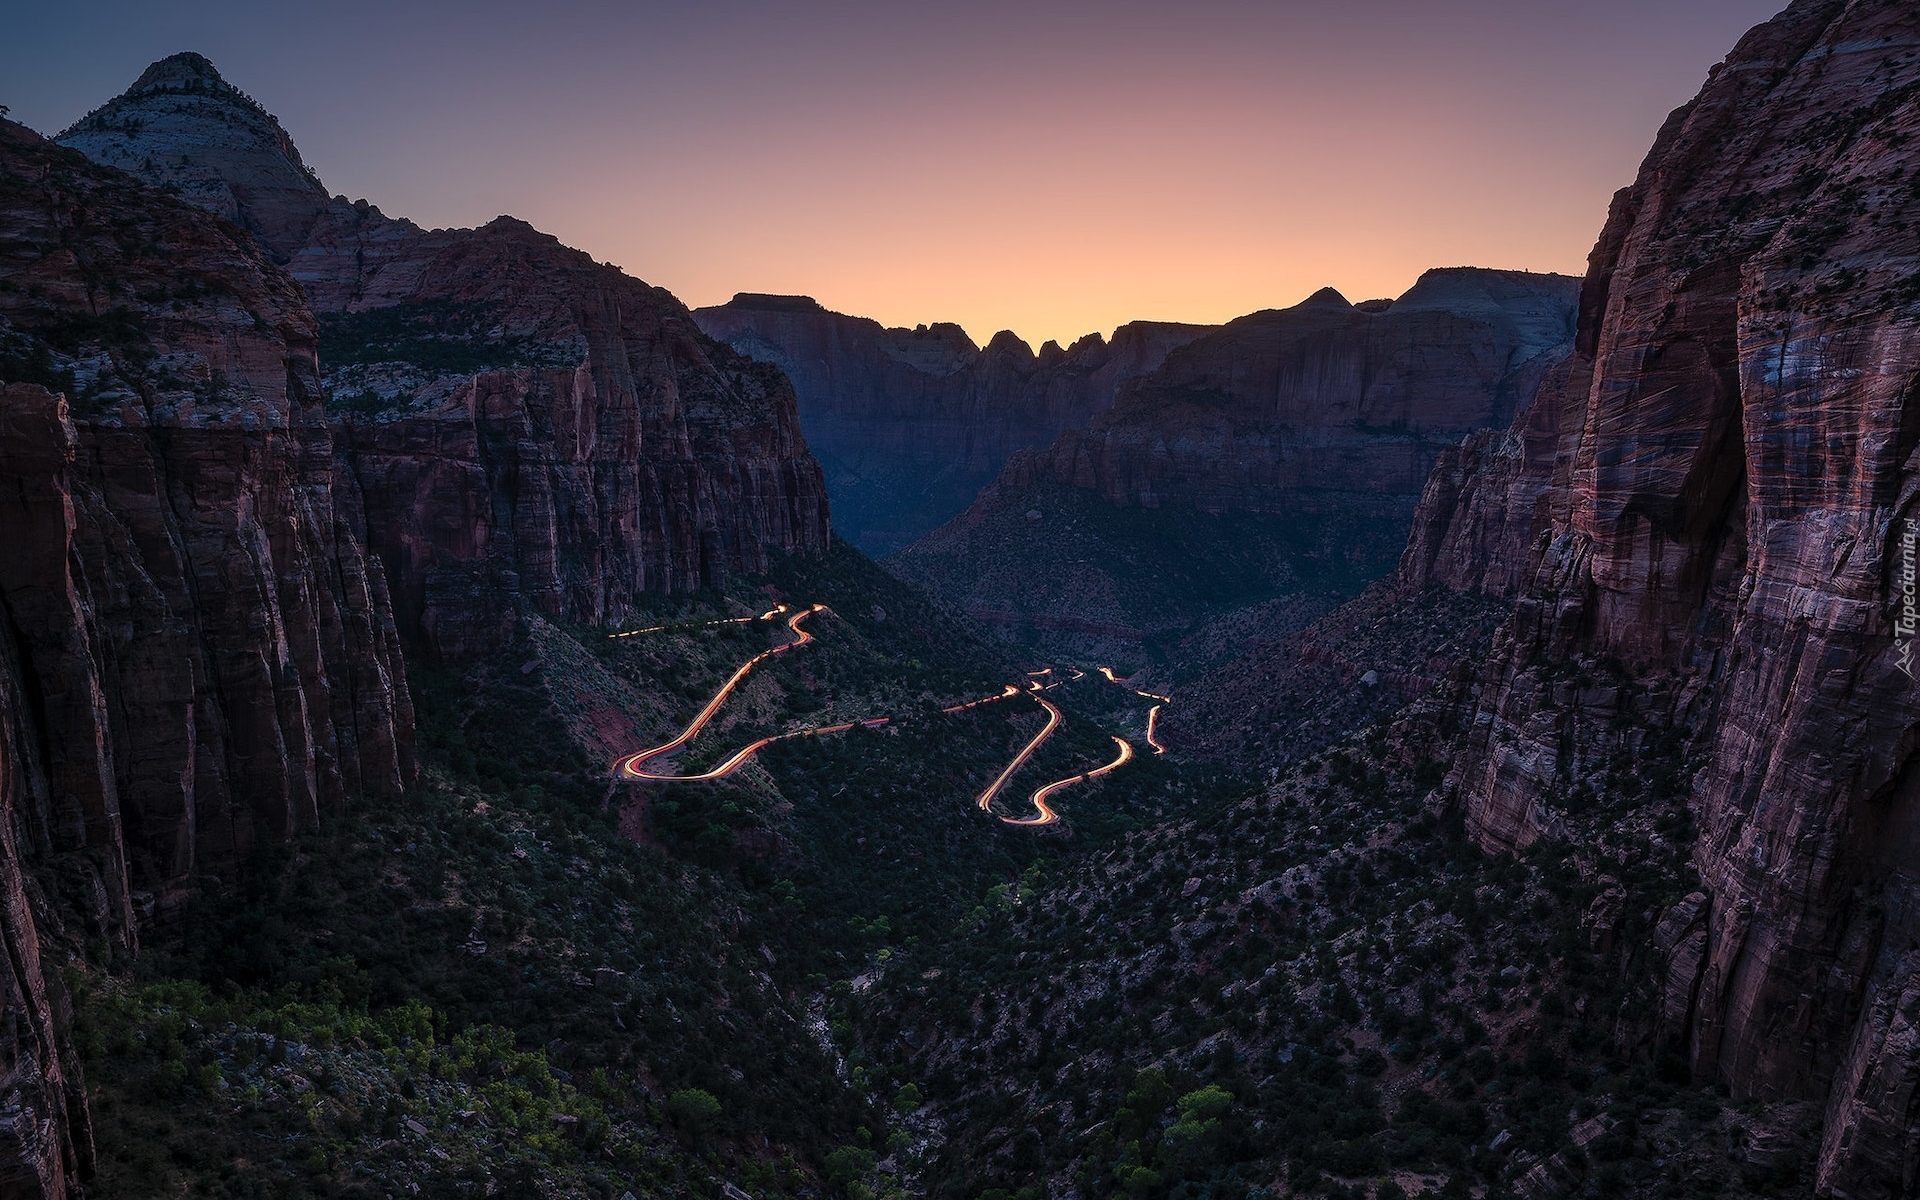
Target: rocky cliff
{"points": [[1707, 519], [196, 658], [528, 427], [1286, 449], [909, 423]]}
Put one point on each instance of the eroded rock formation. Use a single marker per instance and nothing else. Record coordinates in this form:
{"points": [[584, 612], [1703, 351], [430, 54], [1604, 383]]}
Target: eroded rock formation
{"points": [[909, 423], [1323, 419], [197, 656]]}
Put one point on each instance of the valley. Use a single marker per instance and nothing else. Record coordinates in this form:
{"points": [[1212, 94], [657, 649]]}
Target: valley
{"points": [[1457, 745], [636, 765]]}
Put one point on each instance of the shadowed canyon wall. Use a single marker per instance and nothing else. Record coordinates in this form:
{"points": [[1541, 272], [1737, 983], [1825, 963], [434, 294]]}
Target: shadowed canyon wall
{"points": [[198, 656], [909, 423], [1280, 454], [1716, 494]]}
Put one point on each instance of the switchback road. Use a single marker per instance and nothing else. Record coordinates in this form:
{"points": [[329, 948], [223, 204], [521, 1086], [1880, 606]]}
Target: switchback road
{"points": [[634, 766]]}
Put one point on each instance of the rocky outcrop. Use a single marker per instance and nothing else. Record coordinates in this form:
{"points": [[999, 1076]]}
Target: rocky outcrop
{"points": [[534, 428], [1300, 438], [1718, 495], [529, 428], [909, 423], [242, 167]]}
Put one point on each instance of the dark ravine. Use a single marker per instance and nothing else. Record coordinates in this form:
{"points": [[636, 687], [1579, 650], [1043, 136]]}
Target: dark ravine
{"points": [[909, 423], [530, 428], [1714, 494]]}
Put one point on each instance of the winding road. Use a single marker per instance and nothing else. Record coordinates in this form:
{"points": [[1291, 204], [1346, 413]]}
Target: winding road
{"points": [[1019, 760], [633, 766], [1046, 815]]}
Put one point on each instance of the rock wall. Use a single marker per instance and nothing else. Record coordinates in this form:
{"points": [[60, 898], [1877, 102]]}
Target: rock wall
{"points": [[197, 657], [909, 423], [1280, 455], [591, 446], [1322, 396], [1716, 494]]}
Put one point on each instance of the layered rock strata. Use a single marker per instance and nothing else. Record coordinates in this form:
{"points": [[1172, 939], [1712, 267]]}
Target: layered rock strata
{"points": [[1324, 419], [1717, 493], [198, 658], [909, 423]]}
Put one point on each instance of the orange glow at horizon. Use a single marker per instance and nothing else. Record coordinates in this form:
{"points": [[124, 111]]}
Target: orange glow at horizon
{"points": [[1047, 166]]}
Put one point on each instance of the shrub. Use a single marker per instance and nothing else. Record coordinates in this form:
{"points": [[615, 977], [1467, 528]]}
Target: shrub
{"points": [[693, 1110]]}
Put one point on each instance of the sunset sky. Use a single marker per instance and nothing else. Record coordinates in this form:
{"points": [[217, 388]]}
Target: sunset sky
{"points": [[1050, 168]]}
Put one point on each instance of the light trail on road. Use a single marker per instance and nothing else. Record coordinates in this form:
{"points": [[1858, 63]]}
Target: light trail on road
{"points": [[1012, 691], [765, 616], [1053, 722], [630, 767], [1046, 815], [631, 764]]}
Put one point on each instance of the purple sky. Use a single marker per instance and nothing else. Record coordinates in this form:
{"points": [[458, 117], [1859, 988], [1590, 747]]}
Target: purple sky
{"points": [[1052, 168]]}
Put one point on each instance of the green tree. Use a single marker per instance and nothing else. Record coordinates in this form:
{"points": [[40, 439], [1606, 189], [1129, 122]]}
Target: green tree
{"points": [[694, 1110]]}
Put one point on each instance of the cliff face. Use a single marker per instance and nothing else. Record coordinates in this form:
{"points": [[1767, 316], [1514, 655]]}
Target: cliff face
{"points": [[1323, 396], [532, 427], [909, 423], [528, 427], [1303, 434], [1717, 493], [197, 656]]}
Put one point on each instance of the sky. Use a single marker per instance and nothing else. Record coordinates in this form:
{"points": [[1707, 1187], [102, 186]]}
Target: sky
{"points": [[1052, 168]]}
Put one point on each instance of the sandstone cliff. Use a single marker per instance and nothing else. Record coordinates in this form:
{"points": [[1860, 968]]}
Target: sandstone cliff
{"points": [[197, 656], [1282, 453], [527, 426], [1711, 502], [909, 423]]}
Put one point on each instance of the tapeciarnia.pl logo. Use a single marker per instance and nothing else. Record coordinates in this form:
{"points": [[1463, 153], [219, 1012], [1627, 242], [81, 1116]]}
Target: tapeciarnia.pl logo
{"points": [[1906, 617]]}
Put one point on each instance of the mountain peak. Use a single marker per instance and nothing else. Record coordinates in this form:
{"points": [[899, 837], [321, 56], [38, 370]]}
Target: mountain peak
{"points": [[183, 127], [1326, 297], [178, 70]]}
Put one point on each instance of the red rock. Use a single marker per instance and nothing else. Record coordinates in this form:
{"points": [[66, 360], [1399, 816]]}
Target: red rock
{"points": [[1324, 416], [1713, 494], [198, 656]]}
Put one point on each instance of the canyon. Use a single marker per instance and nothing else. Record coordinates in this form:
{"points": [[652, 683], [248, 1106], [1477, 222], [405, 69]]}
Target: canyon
{"points": [[1538, 816]]}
